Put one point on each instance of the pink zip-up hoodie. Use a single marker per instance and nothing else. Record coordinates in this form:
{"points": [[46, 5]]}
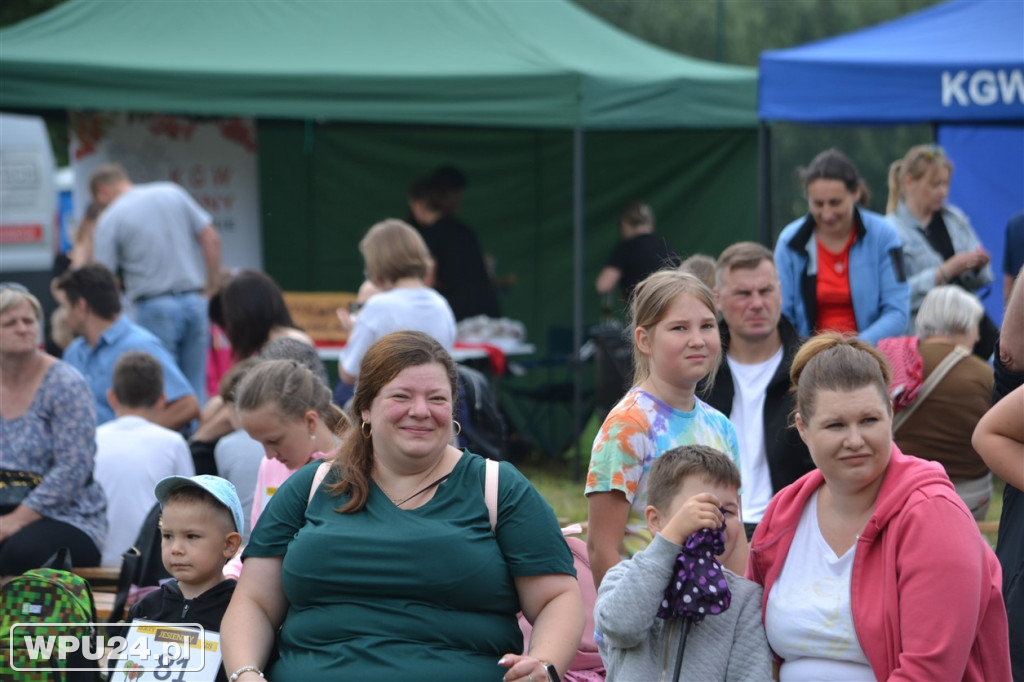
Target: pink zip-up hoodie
{"points": [[925, 588]]}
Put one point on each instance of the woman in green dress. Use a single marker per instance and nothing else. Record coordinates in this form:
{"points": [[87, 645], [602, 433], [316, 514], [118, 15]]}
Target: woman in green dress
{"points": [[392, 570]]}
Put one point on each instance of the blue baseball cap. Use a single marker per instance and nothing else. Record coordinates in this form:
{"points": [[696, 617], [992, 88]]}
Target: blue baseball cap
{"points": [[221, 488]]}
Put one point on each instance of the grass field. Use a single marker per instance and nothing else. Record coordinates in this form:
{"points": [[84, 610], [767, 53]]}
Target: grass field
{"points": [[555, 482]]}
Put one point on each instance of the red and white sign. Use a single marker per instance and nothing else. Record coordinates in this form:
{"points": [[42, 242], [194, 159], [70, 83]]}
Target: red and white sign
{"points": [[22, 234], [214, 159]]}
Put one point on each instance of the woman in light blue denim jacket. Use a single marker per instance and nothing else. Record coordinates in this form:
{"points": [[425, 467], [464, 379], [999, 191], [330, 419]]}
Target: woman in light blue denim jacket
{"points": [[865, 288], [939, 244]]}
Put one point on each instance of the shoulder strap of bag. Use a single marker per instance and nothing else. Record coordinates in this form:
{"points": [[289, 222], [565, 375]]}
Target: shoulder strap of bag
{"points": [[60, 560], [130, 568], [318, 478], [491, 491], [956, 355]]}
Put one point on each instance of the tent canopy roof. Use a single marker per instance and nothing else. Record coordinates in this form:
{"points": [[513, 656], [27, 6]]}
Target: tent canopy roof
{"points": [[514, 63], [959, 61]]}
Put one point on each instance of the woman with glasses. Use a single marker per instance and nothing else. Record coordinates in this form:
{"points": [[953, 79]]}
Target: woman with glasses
{"points": [[939, 244], [48, 498], [841, 266]]}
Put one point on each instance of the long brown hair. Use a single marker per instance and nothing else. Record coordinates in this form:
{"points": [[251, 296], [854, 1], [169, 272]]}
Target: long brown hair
{"points": [[384, 360]]}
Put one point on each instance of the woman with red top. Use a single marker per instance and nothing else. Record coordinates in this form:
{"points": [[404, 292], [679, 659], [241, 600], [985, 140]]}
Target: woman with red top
{"points": [[841, 266]]}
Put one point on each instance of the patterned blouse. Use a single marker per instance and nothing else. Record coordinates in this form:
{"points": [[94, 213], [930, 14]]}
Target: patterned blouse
{"points": [[56, 438]]}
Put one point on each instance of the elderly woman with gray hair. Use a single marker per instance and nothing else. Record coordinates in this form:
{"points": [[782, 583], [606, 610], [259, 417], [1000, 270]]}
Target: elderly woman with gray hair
{"points": [[940, 426]]}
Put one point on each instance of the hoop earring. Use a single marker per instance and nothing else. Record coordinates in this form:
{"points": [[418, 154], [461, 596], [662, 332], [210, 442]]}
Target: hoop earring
{"points": [[457, 426], [366, 429]]}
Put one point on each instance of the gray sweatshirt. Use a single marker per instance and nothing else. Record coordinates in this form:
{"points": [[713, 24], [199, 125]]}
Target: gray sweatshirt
{"points": [[637, 646]]}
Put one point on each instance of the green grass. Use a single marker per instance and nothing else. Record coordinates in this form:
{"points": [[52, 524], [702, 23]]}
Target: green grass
{"points": [[554, 480], [995, 508]]}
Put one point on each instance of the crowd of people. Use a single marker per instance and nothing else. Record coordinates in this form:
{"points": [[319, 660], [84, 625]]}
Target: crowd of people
{"points": [[846, 347], [790, 486]]}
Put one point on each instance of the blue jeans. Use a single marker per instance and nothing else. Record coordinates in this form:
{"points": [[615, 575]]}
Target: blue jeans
{"points": [[180, 322]]}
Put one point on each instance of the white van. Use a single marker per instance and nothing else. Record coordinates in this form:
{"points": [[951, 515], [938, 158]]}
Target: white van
{"points": [[28, 195]]}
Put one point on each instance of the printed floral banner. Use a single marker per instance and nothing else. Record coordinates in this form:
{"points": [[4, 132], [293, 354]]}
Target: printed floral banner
{"points": [[213, 158]]}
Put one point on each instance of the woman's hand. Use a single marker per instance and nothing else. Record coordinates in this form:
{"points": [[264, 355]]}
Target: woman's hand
{"points": [[16, 520], [345, 318], [523, 668], [553, 605], [960, 263]]}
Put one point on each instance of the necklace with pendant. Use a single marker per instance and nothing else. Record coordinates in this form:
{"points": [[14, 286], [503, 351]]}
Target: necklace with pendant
{"points": [[435, 483]]}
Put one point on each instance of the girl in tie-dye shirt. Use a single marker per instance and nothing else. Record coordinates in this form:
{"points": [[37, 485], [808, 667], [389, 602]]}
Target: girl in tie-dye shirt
{"points": [[675, 345]]}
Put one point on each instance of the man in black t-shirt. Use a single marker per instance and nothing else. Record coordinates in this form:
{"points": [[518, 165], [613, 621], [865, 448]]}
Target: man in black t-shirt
{"points": [[640, 252], [460, 271]]}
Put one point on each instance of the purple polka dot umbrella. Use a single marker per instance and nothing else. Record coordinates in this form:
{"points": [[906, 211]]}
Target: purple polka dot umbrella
{"points": [[698, 586]]}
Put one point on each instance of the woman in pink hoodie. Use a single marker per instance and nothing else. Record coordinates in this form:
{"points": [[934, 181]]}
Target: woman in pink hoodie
{"points": [[891, 579]]}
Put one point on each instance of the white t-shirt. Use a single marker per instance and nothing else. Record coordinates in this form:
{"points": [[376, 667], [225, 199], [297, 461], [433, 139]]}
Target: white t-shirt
{"points": [[808, 618], [132, 455], [747, 415], [420, 309], [238, 457]]}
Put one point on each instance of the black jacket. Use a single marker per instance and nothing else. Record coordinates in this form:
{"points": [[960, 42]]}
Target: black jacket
{"points": [[168, 605], [788, 457]]}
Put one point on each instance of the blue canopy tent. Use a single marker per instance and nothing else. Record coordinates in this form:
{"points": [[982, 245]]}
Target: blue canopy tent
{"points": [[958, 65]]}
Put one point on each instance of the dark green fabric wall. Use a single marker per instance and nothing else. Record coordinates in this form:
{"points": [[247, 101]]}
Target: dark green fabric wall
{"points": [[323, 185]]}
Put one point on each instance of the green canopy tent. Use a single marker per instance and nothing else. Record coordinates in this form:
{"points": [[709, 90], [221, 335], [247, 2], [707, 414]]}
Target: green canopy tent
{"points": [[354, 99]]}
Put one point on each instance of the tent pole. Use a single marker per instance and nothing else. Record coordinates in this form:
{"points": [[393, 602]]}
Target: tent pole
{"points": [[577, 292], [764, 188]]}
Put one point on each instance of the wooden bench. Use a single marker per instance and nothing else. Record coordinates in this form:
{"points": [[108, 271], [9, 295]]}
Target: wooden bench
{"points": [[101, 578], [313, 311], [104, 603]]}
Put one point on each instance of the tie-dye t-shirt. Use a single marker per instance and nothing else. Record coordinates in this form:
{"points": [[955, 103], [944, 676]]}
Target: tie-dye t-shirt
{"points": [[638, 430]]}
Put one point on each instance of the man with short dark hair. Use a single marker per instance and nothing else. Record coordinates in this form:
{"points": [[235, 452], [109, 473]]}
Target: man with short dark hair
{"points": [[752, 386], [460, 272], [168, 252], [94, 315]]}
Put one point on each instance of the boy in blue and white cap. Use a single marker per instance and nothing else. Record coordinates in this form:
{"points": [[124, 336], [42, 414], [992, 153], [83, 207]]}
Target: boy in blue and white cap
{"points": [[199, 524]]}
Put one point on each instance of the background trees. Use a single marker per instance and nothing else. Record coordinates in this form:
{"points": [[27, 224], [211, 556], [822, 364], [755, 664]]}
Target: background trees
{"points": [[737, 31]]}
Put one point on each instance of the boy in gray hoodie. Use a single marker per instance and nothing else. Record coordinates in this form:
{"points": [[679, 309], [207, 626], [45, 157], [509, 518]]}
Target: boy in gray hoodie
{"points": [[691, 488]]}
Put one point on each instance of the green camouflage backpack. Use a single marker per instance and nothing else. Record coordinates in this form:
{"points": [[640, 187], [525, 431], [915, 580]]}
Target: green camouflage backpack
{"points": [[45, 595]]}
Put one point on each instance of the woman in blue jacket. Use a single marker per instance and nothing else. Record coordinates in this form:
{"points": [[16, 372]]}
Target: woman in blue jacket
{"points": [[840, 266]]}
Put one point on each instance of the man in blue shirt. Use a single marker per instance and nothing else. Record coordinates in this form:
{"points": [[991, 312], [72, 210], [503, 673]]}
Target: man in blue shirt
{"points": [[104, 334]]}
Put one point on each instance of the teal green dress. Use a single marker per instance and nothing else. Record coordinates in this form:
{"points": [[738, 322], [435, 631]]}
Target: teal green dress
{"points": [[424, 594]]}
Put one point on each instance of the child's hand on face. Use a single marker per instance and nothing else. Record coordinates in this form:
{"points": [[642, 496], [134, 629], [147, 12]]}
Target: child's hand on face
{"points": [[700, 511]]}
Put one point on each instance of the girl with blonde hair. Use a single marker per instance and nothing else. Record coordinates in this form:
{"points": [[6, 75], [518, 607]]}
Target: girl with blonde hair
{"points": [[939, 244], [676, 345]]}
